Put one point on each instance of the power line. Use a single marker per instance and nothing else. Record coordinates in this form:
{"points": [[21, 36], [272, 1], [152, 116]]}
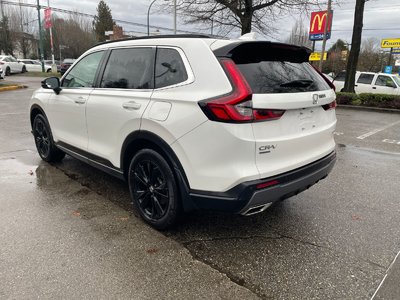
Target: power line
{"points": [[61, 10]]}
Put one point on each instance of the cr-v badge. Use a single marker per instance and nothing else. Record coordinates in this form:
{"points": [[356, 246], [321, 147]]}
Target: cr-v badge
{"points": [[266, 149]]}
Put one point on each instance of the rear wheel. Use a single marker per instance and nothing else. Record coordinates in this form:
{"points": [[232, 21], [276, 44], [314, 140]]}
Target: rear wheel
{"points": [[153, 189], [23, 69], [8, 71], [44, 140]]}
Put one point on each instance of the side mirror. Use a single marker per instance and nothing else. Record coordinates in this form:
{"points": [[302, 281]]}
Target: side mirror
{"points": [[52, 83]]}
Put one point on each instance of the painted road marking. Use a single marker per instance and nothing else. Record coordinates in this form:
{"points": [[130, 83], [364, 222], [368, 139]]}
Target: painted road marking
{"points": [[391, 141], [384, 278], [365, 135]]}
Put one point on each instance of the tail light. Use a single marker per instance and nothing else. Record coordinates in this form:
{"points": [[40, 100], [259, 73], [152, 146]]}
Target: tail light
{"points": [[329, 106], [236, 106], [1, 63]]}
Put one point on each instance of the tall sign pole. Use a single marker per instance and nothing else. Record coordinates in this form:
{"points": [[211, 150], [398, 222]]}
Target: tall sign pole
{"points": [[53, 65], [174, 16], [327, 21], [41, 55]]}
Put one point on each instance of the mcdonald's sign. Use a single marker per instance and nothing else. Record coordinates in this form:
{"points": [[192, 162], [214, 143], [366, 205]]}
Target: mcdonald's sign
{"points": [[317, 25]]}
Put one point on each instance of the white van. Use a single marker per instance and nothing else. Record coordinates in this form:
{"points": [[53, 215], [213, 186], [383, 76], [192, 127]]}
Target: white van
{"points": [[369, 82]]}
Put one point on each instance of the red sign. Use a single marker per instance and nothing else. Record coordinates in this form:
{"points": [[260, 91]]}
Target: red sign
{"points": [[317, 25], [47, 18]]}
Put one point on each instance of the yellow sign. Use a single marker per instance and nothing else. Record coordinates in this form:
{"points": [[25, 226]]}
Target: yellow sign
{"points": [[316, 56], [320, 21], [390, 43]]}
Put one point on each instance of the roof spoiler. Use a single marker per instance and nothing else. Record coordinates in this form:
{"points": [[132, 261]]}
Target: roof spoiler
{"points": [[246, 51]]}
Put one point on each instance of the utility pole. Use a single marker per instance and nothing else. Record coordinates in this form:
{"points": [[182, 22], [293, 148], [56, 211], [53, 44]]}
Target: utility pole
{"points": [[327, 21], [41, 55]]}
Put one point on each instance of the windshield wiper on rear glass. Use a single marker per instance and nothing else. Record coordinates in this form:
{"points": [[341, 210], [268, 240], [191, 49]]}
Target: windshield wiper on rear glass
{"points": [[297, 83]]}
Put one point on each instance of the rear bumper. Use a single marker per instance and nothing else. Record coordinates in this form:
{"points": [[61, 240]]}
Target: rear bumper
{"points": [[247, 199]]}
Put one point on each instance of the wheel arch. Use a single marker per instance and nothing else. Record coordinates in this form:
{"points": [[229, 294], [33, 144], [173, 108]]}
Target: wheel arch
{"points": [[35, 110], [145, 139]]}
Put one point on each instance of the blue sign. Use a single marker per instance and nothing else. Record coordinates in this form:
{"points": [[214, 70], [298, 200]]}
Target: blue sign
{"points": [[388, 70], [396, 51], [319, 36]]}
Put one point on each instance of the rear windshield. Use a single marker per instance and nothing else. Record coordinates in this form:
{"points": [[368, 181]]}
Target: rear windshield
{"points": [[267, 77], [341, 76]]}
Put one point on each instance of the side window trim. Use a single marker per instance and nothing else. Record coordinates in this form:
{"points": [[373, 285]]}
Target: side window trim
{"points": [[106, 57], [95, 76], [186, 63]]}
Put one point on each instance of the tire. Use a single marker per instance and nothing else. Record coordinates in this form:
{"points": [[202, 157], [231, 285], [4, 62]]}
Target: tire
{"points": [[48, 71], [153, 189], [341, 90], [44, 140], [8, 71], [23, 69]]}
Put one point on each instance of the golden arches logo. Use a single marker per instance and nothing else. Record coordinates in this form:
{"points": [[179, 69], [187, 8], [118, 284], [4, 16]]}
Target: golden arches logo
{"points": [[320, 21]]}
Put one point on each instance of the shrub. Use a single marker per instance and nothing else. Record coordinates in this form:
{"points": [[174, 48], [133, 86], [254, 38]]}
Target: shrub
{"points": [[368, 99], [345, 98]]}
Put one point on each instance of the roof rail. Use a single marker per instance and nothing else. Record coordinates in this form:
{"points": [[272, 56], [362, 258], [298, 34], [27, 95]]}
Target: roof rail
{"points": [[168, 36]]}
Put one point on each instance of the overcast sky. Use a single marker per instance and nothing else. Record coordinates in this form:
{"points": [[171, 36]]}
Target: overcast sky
{"points": [[381, 18]]}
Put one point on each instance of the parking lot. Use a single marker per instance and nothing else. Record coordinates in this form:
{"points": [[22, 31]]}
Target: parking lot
{"points": [[67, 230]]}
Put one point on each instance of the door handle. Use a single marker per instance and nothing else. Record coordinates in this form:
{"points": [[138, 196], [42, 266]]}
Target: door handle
{"points": [[131, 105], [355, 85], [374, 87], [80, 100]]}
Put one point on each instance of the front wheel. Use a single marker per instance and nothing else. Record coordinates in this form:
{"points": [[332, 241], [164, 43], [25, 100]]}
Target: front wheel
{"points": [[44, 140], [23, 69], [153, 188], [8, 71]]}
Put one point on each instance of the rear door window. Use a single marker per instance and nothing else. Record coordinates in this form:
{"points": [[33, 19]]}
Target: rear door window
{"points": [[267, 77], [365, 78], [170, 69], [129, 68]]}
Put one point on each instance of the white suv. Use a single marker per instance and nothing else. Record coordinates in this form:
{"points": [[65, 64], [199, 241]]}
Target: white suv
{"points": [[192, 122]]}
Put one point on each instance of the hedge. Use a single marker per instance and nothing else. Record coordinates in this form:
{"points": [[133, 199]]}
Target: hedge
{"points": [[369, 100]]}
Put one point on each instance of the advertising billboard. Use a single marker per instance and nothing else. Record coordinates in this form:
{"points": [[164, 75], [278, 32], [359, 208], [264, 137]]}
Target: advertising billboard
{"points": [[317, 25]]}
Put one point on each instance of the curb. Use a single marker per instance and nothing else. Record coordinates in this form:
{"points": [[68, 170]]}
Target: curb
{"points": [[368, 108], [12, 87]]}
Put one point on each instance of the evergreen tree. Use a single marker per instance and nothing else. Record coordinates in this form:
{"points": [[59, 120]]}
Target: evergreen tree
{"points": [[103, 21], [6, 44]]}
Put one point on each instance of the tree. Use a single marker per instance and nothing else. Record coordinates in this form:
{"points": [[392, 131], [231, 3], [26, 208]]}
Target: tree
{"points": [[355, 47], [103, 21], [370, 59], [6, 44], [299, 35], [242, 14]]}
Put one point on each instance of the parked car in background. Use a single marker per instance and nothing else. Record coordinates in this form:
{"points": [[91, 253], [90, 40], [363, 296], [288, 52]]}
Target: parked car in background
{"points": [[33, 65], [57, 62], [253, 127], [369, 82], [329, 77], [11, 65], [2, 73], [66, 64]]}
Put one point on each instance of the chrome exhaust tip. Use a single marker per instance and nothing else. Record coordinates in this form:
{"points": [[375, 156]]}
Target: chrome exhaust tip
{"points": [[256, 209]]}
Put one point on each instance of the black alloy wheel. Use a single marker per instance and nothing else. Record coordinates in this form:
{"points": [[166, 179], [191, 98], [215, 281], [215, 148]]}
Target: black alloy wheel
{"points": [[153, 189], [44, 140]]}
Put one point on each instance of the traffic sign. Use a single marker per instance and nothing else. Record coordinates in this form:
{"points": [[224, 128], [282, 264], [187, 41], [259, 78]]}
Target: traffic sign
{"points": [[396, 51], [317, 25], [388, 70], [390, 43], [316, 56]]}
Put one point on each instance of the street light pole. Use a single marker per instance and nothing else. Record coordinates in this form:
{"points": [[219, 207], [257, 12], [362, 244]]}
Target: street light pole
{"points": [[174, 16], [40, 37], [148, 18]]}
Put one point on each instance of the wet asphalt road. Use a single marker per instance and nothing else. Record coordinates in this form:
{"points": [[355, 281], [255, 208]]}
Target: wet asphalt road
{"points": [[336, 240]]}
